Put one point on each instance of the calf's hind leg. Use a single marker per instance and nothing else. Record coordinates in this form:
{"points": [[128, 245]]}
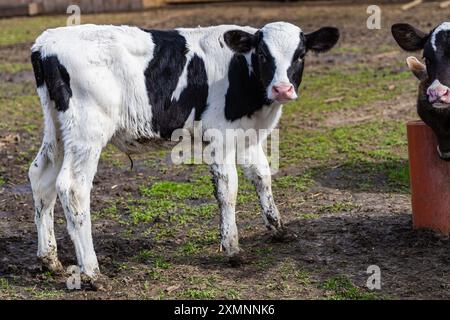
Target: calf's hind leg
{"points": [[42, 173], [74, 185]]}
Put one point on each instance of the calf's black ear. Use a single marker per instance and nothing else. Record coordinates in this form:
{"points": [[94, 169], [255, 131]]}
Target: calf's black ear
{"points": [[239, 41], [408, 37], [322, 40]]}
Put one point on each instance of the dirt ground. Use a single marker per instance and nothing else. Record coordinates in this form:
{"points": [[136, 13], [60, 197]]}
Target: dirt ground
{"points": [[342, 186]]}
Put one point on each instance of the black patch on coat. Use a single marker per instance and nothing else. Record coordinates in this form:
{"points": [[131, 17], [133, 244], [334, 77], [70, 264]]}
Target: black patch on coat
{"points": [[263, 63], [36, 61], [161, 79], [295, 70], [246, 93], [194, 96], [50, 71]]}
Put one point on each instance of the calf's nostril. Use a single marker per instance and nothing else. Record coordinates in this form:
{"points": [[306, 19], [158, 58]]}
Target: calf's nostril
{"points": [[438, 93], [283, 89]]}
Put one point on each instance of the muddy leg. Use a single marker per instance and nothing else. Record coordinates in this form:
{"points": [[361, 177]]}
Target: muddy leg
{"points": [[42, 173], [226, 185], [74, 185], [257, 170]]}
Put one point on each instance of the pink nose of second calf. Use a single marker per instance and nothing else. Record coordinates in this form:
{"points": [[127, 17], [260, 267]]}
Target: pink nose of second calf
{"points": [[438, 93], [283, 91]]}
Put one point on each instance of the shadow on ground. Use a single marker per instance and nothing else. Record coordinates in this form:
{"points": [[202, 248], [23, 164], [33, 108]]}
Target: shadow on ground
{"points": [[374, 177]]}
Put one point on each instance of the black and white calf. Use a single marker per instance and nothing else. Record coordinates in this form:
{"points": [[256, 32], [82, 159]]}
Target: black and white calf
{"points": [[433, 104], [127, 86]]}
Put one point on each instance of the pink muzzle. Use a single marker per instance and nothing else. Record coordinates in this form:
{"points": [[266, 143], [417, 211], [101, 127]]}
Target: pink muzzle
{"points": [[438, 93], [283, 92]]}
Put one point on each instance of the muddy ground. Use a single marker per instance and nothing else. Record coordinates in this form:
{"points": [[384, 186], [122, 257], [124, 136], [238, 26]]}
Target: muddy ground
{"points": [[342, 185]]}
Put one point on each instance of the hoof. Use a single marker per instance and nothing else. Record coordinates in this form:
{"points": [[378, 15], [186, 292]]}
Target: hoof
{"points": [[236, 260], [97, 283], [284, 235], [52, 264]]}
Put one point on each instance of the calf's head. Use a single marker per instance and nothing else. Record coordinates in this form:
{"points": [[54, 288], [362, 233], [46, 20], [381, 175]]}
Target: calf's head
{"points": [[437, 118], [436, 55], [278, 54], [433, 104]]}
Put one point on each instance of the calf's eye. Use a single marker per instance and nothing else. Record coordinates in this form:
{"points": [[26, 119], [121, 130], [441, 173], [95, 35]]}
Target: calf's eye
{"points": [[300, 58]]}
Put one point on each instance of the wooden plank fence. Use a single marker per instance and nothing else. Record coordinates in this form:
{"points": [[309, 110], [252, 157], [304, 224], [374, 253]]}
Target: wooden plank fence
{"points": [[10, 8]]}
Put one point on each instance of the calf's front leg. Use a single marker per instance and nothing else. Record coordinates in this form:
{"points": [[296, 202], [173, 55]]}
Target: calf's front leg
{"points": [[225, 181], [257, 170]]}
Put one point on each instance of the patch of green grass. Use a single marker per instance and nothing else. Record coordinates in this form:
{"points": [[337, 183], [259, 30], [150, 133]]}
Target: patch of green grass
{"points": [[374, 141], [206, 211], [30, 127], [349, 49], [18, 90], [144, 255], [157, 275], [232, 294], [302, 277], [338, 207], [109, 210], [167, 189], [198, 189], [164, 233], [149, 210], [15, 67], [342, 288], [43, 294], [189, 248], [20, 30], [298, 183], [4, 284], [246, 193], [264, 250], [14, 106], [48, 275], [265, 263], [201, 237], [171, 202], [161, 263], [120, 266], [110, 154], [399, 175], [193, 293], [358, 86], [26, 29]]}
